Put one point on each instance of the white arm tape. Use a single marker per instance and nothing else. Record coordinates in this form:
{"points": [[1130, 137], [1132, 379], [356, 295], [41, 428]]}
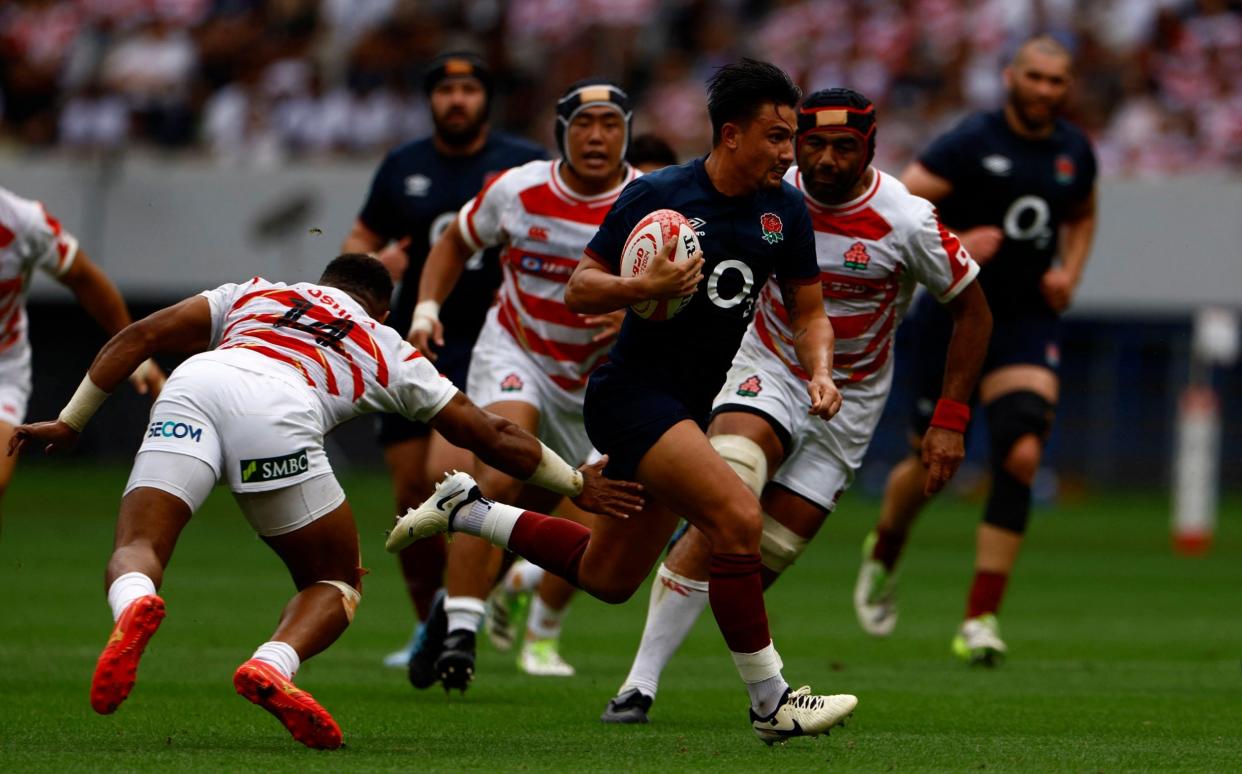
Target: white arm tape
{"points": [[426, 313], [555, 474], [83, 405], [140, 373]]}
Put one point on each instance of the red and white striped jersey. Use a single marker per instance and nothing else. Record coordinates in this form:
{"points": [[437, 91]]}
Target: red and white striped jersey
{"points": [[30, 238], [321, 338], [872, 253], [545, 228]]}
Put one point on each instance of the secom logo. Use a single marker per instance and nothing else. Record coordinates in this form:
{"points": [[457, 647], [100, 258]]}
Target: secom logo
{"points": [[170, 429]]}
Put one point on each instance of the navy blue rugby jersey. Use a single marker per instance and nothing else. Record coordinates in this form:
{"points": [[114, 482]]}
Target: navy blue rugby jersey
{"points": [[745, 239], [1024, 187], [417, 193]]}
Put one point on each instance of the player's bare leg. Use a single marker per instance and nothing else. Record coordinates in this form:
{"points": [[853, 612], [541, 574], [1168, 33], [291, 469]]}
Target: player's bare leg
{"points": [[147, 527], [322, 558], [999, 538], [422, 563]]}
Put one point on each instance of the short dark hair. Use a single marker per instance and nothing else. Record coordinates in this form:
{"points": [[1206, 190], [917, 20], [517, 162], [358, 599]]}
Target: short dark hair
{"points": [[361, 276], [651, 149], [736, 92]]}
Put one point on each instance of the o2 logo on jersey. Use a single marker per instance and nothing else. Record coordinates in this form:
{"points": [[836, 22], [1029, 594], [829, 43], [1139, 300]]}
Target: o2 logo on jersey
{"points": [[439, 226], [743, 295], [1027, 219]]}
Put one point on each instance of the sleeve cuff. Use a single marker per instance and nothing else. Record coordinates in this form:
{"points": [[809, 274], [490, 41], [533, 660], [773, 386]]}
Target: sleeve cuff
{"points": [[960, 285]]}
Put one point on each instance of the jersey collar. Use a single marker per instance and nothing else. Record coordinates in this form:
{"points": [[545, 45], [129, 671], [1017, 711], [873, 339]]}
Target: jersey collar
{"points": [[845, 207], [562, 191]]}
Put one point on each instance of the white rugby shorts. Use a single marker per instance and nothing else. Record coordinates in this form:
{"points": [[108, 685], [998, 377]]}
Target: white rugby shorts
{"points": [[258, 432], [500, 370], [823, 456], [14, 387]]}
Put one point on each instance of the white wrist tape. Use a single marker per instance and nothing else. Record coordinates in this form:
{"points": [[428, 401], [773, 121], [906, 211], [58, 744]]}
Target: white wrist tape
{"points": [[426, 314], [555, 475], [83, 405]]}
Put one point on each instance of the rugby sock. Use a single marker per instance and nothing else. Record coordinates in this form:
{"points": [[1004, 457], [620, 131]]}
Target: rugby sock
{"points": [[556, 545], [464, 613], [125, 589], [523, 576], [985, 593], [489, 520], [888, 547], [761, 671], [676, 603], [736, 596], [281, 656], [544, 623]]}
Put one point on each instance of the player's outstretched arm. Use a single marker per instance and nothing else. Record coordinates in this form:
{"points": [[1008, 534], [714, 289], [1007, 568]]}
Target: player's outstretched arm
{"points": [[184, 327], [510, 449], [944, 444], [443, 268], [595, 289], [813, 344], [102, 301]]}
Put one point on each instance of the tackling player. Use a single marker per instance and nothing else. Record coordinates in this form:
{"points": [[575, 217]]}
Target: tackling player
{"points": [[534, 355], [876, 243], [278, 366], [416, 193], [648, 406], [30, 238], [1019, 183]]}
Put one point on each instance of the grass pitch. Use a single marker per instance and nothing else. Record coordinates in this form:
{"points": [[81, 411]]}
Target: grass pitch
{"points": [[1123, 657]]}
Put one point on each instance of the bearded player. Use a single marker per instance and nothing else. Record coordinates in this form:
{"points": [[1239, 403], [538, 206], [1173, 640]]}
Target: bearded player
{"points": [[648, 406], [416, 193], [1019, 185], [533, 356], [275, 368], [876, 243]]}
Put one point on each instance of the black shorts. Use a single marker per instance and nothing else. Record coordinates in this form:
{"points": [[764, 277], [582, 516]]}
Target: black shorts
{"points": [[454, 362], [626, 414], [1032, 339]]}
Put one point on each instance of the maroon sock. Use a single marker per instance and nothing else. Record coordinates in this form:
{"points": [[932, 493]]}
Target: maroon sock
{"points": [[422, 566], [888, 547], [736, 596], [554, 544], [985, 593]]}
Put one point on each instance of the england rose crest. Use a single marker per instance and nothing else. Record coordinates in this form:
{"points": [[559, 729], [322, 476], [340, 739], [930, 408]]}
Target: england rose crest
{"points": [[772, 227]]}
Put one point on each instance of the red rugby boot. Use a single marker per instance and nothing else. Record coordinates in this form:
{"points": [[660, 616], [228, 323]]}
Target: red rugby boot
{"points": [[262, 684], [117, 668]]}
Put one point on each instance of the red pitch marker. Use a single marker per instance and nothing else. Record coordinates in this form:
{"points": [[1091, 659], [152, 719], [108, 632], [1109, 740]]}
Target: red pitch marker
{"points": [[117, 668], [260, 683]]}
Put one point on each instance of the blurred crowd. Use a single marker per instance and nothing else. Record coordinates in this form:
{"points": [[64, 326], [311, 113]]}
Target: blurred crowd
{"points": [[1159, 82]]}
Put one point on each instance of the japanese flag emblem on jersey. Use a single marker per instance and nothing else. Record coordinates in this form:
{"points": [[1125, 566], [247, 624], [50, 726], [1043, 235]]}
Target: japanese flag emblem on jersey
{"points": [[772, 227]]}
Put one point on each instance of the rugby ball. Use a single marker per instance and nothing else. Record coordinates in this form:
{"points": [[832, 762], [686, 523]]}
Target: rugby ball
{"points": [[642, 246]]}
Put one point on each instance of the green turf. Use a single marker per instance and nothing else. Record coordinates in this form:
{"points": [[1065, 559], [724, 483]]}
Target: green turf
{"points": [[1124, 657]]}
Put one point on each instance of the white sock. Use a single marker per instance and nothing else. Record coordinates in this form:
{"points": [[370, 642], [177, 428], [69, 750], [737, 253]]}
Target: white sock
{"points": [[280, 655], [491, 521], [464, 613], [675, 605], [544, 623], [523, 576], [761, 671], [125, 589]]}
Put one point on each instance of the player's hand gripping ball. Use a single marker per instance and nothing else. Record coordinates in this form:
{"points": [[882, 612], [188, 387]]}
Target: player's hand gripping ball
{"points": [[644, 245]]}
